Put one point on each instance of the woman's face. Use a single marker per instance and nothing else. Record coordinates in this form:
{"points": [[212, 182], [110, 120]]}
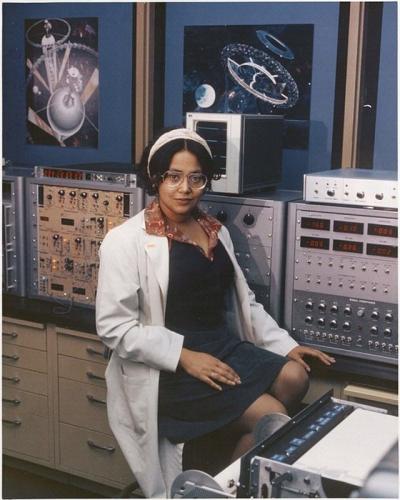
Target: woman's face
{"points": [[179, 201]]}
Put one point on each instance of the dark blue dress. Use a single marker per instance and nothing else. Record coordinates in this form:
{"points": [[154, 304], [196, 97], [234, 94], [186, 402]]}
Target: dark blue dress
{"points": [[189, 408]]}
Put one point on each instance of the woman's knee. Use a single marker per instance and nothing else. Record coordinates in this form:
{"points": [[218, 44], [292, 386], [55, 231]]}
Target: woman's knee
{"points": [[292, 380]]}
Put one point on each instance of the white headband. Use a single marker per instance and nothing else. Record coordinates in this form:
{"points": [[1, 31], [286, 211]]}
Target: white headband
{"points": [[179, 133]]}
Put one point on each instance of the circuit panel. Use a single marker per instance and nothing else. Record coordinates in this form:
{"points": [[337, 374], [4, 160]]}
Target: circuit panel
{"points": [[71, 223]]}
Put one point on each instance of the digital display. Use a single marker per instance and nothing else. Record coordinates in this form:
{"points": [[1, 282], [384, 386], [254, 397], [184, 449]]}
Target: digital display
{"points": [[342, 226], [316, 243], [382, 230], [381, 250], [311, 223], [76, 175], [67, 222], [348, 246]]}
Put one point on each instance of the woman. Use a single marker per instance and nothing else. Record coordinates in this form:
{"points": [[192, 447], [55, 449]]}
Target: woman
{"points": [[192, 350]]}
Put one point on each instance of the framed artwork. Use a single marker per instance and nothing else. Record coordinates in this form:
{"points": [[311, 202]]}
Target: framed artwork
{"points": [[257, 69], [62, 81]]}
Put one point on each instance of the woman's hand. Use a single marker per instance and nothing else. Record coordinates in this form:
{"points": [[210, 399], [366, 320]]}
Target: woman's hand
{"points": [[300, 351], [207, 368]]}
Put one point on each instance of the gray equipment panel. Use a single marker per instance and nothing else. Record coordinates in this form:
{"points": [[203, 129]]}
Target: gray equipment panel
{"points": [[257, 226], [341, 280], [13, 242]]}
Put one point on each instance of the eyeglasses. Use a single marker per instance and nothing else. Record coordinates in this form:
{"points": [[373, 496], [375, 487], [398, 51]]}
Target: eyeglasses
{"points": [[175, 179]]}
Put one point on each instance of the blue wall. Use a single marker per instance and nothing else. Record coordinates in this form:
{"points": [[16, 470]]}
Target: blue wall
{"points": [[115, 65], [323, 15], [385, 152]]}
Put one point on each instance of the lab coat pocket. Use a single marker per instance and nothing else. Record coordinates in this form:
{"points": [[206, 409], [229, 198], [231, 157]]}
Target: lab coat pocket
{"points": [[135, 382]]}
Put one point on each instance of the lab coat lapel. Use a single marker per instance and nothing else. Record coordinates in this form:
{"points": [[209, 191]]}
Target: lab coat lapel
{"points": [[156, 248]]}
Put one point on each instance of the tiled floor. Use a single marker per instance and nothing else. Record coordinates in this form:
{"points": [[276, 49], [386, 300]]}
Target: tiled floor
{"points": [[22, 484]]}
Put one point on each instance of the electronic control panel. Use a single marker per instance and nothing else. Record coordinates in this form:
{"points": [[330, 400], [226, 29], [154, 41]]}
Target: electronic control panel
{"points": [[353, 186], [257, 226], [68, 221], [341, 280], [13, 236]]}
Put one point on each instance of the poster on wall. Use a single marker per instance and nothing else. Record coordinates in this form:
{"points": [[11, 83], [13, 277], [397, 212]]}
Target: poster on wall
{"points": [[263, 69], [62, 81]]}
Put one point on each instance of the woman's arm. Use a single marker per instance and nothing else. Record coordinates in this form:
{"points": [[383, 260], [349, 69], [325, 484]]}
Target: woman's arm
{"points": [[118, 305]]}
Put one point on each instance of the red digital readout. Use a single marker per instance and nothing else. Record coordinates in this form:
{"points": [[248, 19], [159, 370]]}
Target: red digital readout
{"points": [[75, 175], [348, 246], [382, 230]]}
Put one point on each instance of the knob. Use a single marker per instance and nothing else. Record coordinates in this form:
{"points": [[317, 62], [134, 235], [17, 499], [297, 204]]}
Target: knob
{"points": [[387, 332], [333, 323], [222, 216], [360, 313], [370, 343], [61, 192], [347, 311], [84, 194], [72, 194], [56, 236], [346, 325], [349, 340], [375, 315], [118, 198], [334, 309], [321, 321], [383, 346], [95, 195], [106, 203], [336, 337], [390, 347], [49, 197], [330, 192], [360, 195], [389, 317], [343, 339], [248, 219], [379, 196], [322, 307], [374, 330], [309, 305], [308, 319], [376, 344], [78, 240]]}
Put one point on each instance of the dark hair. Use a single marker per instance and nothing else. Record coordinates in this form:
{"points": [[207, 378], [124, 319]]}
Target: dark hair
{"points": [[161, 161]]}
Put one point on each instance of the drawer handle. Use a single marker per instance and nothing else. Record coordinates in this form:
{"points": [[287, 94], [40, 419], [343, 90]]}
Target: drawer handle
{"points": [[94, 376], [13, 422], [92, 399], [90, 350], [13, 357], [15, 402], [110, 449], [12, 379], [12, 334]]}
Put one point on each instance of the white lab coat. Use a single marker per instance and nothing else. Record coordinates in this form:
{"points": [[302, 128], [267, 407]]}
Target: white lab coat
{"points": [[130, 310]]}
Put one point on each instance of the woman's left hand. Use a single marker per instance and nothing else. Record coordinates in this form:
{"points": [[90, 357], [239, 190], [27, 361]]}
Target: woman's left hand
{"points": [[300, 351]]}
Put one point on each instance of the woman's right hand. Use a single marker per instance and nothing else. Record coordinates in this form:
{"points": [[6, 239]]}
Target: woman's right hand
{"points": [[207, 368]]}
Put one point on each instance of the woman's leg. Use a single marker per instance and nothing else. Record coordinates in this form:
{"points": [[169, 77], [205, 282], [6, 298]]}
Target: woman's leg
{"points": [[243, 427], [288, 389], [291, 385]]}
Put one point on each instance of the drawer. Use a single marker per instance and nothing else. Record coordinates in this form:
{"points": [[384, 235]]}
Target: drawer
{"points": [[27, 434], [23, 357], [25, 380], [93, 453], [83, 405], [76, 347], [16, 402], [82, 370], [26, 336]]}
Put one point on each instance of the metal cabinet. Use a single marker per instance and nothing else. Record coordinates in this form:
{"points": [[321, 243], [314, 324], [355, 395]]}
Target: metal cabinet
{"points": [[54, 402]]}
